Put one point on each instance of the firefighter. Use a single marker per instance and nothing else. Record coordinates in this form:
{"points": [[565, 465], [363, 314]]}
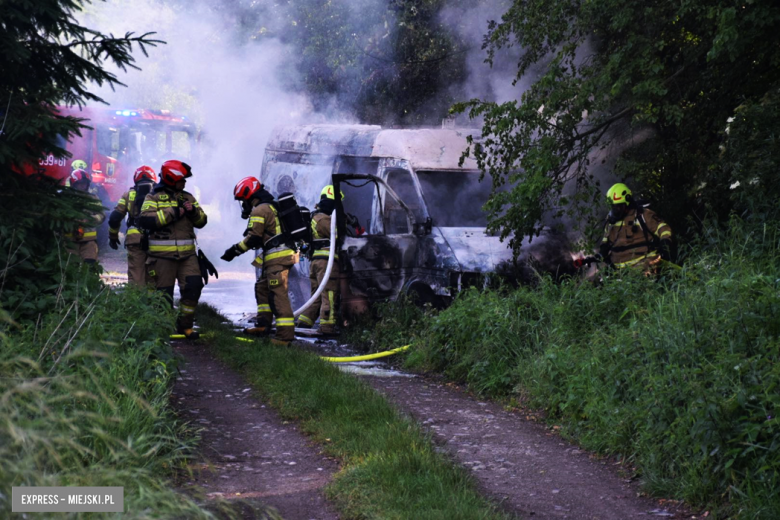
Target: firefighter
{"points": [[130, 203], [84, 239], [634, 235], [325, 307], [265, 231], [170, 215]]}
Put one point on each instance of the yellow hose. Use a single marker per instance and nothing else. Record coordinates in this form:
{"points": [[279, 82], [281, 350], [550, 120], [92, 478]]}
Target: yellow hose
{"points": [[367, 357]]}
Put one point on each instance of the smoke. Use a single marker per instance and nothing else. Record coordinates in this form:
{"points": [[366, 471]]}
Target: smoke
{"points": [[221, 72]]}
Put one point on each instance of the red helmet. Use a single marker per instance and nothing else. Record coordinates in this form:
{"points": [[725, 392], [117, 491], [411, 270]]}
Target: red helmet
{"points": [[246, 187], [144, 173], [79, 175], [174, 171]]}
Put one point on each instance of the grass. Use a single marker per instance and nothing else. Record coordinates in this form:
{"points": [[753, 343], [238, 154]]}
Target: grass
{"points": [[390, 468], [84, 401], [681, 376]]}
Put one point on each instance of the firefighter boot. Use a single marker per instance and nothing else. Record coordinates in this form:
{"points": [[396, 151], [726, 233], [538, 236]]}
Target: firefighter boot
{"points": [[261, 328]]}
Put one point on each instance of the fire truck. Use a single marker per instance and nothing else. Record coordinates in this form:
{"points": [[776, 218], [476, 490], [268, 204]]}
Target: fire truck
{"points": [[118, 142]]}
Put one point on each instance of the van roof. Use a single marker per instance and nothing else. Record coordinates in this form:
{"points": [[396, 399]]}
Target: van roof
{"points": [[424, 148]]}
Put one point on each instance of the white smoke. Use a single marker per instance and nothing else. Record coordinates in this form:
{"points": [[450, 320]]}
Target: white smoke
{"points": [[236, 85]]}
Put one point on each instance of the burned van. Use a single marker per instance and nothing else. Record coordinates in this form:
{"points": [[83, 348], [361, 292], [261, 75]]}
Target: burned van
{"points": [[411, 219]]}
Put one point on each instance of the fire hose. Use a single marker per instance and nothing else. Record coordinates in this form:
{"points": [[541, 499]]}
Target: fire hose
{"points": [[328, 269]]}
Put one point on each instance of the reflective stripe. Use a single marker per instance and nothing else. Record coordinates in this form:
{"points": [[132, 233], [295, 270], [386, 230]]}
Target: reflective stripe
{"points": [[323, 253], [285, 322], [171, 246], [278, 222], [186, 309], [280, 254], [172, 242], [331, 317], [242, 246], [636, 260], [253, 220], [89, 234], [122, 202], [263, 307], [666, 234], [133, 231], [201, 220], [149, 204], [113, 230], [161, 217], [171, 249], [305, 320]]}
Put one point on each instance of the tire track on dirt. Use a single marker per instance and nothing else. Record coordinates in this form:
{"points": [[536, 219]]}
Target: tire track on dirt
{"points": [[247, 451], [529, 470]]}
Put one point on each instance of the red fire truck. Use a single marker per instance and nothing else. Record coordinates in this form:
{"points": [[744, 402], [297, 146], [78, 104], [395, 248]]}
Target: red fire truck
{"points": [[119, 141]]}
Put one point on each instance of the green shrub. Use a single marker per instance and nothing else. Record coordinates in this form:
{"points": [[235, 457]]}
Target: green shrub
{"points": [[84, 401], [679, 375]]}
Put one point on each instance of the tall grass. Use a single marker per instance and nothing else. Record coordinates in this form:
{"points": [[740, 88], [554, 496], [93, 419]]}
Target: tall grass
{"points": [[679, 375], [84, 401]]}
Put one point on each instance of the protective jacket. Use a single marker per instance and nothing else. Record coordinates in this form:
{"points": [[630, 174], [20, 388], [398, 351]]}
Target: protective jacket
{"points": [[320, 231], [629, 243], [171, 227], [88, 232], [264, 230], [129, 204]]}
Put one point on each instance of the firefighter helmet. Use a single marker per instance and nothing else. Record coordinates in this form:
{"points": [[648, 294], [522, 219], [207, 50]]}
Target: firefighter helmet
{"points": [[78, 164], [79, 175], [174, 171], [246, 187], [144, 173], [327, 192], [619, 194]]}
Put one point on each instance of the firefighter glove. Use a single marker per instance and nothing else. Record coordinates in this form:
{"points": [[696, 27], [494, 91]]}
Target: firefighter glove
{"points": [[230, 253], [113, 243], [667, 250]]}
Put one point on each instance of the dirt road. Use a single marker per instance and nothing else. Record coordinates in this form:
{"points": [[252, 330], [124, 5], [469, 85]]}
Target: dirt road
{"points": [[247, 451]]}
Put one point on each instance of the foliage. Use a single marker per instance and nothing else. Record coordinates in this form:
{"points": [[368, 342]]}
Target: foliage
{"points": [[678, 375], [48, 59], [389, 324], [85, 402], [385, 61], [390, 468], [36, 271], [656, 80]]}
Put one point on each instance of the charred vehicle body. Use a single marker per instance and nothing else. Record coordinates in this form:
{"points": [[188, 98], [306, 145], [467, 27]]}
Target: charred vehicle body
{"points": [[422, 228]]}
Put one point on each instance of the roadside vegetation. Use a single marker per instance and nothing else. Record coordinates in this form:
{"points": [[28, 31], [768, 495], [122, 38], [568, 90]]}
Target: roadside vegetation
{"points": [[679, 375], [390, 468], [84, 399]]}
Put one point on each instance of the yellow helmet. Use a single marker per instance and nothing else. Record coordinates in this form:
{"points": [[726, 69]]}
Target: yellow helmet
{"points": [[78, 164], [619, 194], [327, 192]]}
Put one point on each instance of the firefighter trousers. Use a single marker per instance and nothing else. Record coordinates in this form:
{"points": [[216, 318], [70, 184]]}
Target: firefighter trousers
{"points": [[87, 251], [272, 299], [325, 305], [165, 272], [136, 265]]}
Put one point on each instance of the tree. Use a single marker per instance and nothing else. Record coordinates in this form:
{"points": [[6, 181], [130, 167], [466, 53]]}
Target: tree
{"points": [[385, 61], [48, 59], [662, 78]]}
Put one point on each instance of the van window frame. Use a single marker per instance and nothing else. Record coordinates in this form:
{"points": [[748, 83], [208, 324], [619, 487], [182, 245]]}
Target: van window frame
{"points": [[378, 210]]}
